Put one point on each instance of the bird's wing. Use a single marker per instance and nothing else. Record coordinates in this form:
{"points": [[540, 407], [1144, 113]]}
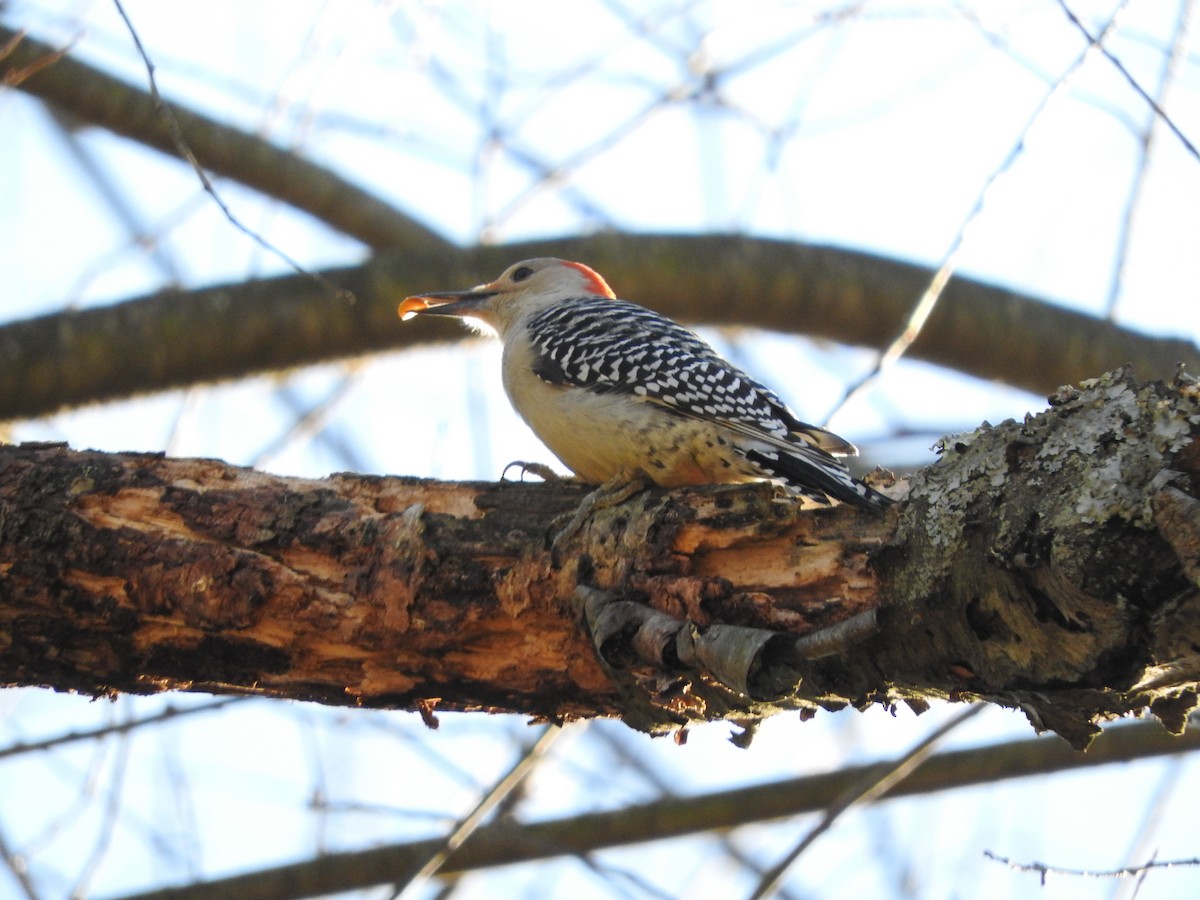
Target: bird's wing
{"points": [[611, 346]]}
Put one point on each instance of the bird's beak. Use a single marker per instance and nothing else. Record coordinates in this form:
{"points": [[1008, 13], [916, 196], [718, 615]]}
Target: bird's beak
{"points": [[447, 303]]}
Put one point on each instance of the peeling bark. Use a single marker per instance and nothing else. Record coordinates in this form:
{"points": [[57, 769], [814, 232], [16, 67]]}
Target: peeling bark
{"points": [[1050, 565]]}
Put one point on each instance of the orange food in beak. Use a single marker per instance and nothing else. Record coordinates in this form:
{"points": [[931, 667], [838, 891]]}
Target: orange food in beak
{"points": [[411, 306]]}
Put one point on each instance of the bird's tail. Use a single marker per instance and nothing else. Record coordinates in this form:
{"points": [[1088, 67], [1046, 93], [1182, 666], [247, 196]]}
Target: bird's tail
{"points": [[815, 474]]}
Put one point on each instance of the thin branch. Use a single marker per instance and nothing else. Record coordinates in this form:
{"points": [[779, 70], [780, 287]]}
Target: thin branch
{"points": [[1165, 792], [312, 420], [933, 292], [505, 844], [1146, 144], [185, 151], [167, 714], [18, 868], [639, 764], [183, 850], [107, 826], [140, 233], [866, 791], [1141, 91], [69, 815], [97, 98], [558, 175], [471, 823], [1044, 870]]}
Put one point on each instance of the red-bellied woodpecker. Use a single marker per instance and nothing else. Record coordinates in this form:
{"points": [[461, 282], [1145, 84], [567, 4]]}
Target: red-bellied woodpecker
{"points": [[613, 387]]}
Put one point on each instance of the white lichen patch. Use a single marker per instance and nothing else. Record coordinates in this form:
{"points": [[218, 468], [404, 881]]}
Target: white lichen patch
{"points": [[1106, 495], [1172, 429], [1100, 448]]}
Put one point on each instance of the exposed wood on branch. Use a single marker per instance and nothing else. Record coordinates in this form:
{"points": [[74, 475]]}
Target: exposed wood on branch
{"points": [[1048, 565]]}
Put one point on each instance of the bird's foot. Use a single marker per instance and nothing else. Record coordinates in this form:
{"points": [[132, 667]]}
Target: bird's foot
{"points": [[613, 492]]}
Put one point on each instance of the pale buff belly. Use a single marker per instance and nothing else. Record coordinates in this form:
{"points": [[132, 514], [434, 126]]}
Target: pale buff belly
{"points": [[598, 436]]}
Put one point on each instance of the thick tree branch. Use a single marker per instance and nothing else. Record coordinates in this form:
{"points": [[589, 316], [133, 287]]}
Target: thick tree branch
{"points": [[178, 338], [1050, 566], [504, 844], [96, 98]]}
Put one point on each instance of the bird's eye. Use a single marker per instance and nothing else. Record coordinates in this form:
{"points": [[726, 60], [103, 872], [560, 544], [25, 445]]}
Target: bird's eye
{"points": [[522, 273]]}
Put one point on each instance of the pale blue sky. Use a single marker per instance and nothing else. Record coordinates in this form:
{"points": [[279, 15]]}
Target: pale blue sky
{"points": [[874, 130]]}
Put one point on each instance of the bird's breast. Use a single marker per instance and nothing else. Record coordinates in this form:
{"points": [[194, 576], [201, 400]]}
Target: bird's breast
{"points": [[599, 435]]}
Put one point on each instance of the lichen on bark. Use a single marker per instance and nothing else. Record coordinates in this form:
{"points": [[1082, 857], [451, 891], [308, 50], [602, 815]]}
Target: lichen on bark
{"points": [[1035, 548]]}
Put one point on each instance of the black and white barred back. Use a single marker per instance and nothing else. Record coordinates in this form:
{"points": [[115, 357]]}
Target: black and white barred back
{"points": [[615, 347]]}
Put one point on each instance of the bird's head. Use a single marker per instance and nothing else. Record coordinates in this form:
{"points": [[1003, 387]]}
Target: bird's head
{"points": [[524, 289]]}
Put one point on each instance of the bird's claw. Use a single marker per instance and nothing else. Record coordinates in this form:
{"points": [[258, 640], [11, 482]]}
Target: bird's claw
{"points": [[541, 470], [613, 492]]}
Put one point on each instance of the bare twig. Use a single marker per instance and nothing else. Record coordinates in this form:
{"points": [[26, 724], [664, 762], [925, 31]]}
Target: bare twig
{"points": [[139, 232], [503, 843], [475, 818], [312, 420], [937, 284], [170, 712], [18, 868], [1097, 42], [185, 151], [663, 785], [96, 98], [867, 790], [107, 826], [1044, 870], [1170, 66]]}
